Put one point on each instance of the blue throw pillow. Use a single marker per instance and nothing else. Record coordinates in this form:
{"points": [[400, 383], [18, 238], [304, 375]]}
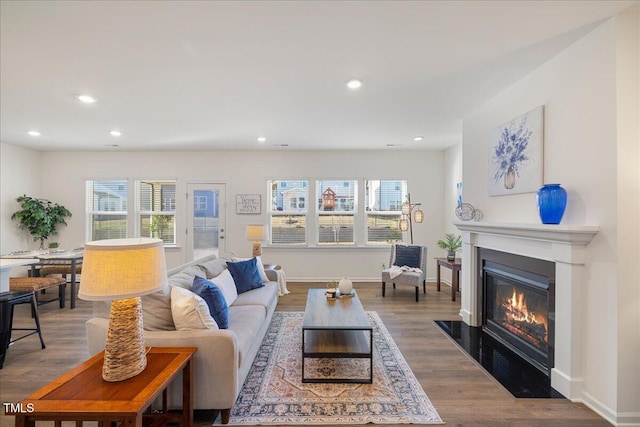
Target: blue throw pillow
{"points": [[245, 274], [407, 255], [214, 298]]}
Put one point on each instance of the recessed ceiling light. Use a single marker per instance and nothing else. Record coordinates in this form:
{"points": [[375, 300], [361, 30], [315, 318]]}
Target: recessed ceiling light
{"points": [[115, 133], [87, 99], [354, 83], [262, 139], [418, 138], [33, 133]]}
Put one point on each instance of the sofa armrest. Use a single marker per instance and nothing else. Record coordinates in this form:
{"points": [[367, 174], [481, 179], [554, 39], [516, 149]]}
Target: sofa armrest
{"points": [[215, 363], [272, 275]]}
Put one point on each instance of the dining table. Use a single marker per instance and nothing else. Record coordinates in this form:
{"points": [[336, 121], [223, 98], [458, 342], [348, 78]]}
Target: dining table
{"points": [[49, 257]]}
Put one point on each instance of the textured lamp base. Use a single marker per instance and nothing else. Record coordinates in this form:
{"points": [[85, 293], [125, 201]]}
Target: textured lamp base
{"points": [[257, 250], [125, 354]]}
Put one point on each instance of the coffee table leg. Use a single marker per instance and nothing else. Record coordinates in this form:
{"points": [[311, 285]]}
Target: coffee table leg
{"points": [[303, 355]]}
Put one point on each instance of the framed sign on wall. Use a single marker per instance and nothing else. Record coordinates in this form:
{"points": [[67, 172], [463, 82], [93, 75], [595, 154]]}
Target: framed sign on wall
{"points": [[248, 203]]}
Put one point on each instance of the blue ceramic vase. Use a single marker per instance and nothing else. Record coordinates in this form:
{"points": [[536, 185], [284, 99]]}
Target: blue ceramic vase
{"points": [[552, 201]]}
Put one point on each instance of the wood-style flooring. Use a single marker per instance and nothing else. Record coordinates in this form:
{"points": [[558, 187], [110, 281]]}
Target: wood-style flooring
{"points": [[463, 393]]}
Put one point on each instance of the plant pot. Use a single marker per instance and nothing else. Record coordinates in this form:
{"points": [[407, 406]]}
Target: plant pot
{"points": [[451, 256]]}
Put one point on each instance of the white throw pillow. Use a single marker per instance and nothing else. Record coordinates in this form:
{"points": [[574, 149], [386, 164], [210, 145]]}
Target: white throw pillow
{"points": [[190, 311], [263, 275], [227, 285]]}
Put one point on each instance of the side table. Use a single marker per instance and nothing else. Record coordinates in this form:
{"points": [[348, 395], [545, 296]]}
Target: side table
{"points": [[82, 395], [455, 267]]}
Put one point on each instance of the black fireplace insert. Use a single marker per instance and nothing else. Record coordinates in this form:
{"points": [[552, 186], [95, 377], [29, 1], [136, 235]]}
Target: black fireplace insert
{"points": [[518, 304]]}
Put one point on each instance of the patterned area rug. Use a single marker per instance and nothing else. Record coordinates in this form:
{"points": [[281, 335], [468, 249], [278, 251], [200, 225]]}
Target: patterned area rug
{"points": [[274, 394]]}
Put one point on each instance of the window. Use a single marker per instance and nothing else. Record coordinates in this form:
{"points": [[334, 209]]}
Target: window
{"points": [[287, 212], [383, 201], [107, 205], [199, 203], [336, 212], [156, 210]]}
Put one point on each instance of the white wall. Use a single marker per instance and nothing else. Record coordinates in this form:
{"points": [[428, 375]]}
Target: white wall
{"points": [[21, 172], [247, 172], [579, 91], [452, 176], [628, 197]]}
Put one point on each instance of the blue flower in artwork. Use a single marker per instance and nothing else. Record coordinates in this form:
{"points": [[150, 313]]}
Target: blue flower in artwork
{"points": [[510, 152]]}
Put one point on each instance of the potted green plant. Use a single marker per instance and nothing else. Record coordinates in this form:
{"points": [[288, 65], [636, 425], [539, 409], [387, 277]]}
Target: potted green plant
{"points": [[451, 243], [40, 217]]}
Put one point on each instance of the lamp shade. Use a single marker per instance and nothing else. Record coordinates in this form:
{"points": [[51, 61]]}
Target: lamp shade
{"points": [[116, 269], [256, 232], [418, 216], [404, 224], [406, 208]]}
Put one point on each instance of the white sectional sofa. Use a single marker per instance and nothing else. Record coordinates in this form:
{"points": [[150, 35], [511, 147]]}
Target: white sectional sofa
{"points": [[224, 356]]}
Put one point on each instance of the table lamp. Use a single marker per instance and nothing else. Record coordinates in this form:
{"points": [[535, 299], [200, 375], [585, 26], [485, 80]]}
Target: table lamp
{"points": [[120, 271], [256, 233]]}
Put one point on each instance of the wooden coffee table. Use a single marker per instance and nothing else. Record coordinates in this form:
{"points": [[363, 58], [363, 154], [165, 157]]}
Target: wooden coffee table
{"points": [[336, 329], [82, 394]]}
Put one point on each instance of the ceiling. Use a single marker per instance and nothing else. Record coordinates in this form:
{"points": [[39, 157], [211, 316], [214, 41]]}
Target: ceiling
{"points": [[190, 75]]}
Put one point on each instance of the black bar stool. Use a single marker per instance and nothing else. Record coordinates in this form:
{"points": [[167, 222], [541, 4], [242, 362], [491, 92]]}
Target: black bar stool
{"points": [[8, 300]]}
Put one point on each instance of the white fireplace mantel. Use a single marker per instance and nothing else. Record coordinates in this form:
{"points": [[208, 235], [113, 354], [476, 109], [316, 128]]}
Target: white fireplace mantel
{"points": [[563, 244]]}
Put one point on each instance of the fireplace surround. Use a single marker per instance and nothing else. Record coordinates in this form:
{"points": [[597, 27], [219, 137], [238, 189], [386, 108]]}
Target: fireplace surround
{"points": [[562, 245]]}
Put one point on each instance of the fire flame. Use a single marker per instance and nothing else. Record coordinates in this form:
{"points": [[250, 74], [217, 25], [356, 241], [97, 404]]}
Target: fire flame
{"points": [[517, 311]]}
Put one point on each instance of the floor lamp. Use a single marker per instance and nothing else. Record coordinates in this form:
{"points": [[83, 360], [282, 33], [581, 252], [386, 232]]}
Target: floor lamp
{"points": [[406, 223], [120, 271]]}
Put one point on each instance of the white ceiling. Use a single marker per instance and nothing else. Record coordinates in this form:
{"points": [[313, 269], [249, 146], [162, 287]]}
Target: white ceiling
{"points": [[216, 75]]}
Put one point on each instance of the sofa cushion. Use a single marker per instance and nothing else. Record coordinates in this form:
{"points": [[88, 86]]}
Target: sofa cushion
{"points": [[259, 264], [214, 298], [407, 255], [264, 296], [245, 275], [189, 311], [245, 322], [214, 268], [156, 311], [228, 287], [184, 278]]}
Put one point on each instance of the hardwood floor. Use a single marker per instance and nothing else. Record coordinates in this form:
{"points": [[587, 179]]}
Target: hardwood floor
{"points": [[461, 392]]}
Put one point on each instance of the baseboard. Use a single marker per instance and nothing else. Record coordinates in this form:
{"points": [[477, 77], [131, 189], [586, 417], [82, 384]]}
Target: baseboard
{"points": [[619, 419]]}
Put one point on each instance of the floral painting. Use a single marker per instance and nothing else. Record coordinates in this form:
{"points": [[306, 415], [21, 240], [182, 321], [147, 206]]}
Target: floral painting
{"points": [[515, 155]]}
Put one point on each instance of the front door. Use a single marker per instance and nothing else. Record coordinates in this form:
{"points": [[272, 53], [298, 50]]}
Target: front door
{"points": [[205, 220]]}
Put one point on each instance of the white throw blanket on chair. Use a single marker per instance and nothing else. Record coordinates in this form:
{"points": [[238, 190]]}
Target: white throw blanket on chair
{"points": [[396, 270]]}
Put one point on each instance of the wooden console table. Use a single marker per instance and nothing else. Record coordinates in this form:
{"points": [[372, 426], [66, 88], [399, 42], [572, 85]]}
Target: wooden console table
{"points": [[455, 267], [82, 395]]}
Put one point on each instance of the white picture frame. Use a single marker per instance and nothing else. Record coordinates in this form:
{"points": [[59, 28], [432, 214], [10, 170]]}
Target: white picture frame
{"points": [[248, 204]]}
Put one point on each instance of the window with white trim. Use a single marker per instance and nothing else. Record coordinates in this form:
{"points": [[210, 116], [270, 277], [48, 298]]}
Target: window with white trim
{"points": [[336, 208], [383, 205], [287, 211], [107, 206], [156, 210]]}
